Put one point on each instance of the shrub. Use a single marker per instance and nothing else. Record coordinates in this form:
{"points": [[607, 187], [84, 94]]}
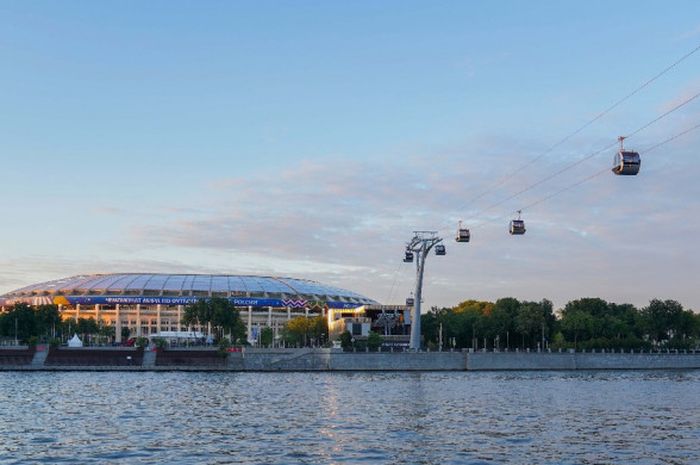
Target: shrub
{"points": [[374, 341], [224, 346]]}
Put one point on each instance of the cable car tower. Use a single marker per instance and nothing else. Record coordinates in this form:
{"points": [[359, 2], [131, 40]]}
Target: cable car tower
{"points": [[419, 247]]}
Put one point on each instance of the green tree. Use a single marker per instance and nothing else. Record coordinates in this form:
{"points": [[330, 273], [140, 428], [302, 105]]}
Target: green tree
{"points": [[223, 316], [662, 320], [529, 321], [576, 324], [48, 320], [266, 336], [346, 341], [86, 327], [374, 341], [503, 320], [21, 321], [303, 332]]}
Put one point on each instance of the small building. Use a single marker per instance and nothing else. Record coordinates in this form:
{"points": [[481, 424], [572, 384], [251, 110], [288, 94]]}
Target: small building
{"points": [[392, 322]]}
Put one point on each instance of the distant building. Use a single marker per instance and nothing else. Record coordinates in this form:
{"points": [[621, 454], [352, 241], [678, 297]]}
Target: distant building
{"points": [[149, 304], [392, 322]]}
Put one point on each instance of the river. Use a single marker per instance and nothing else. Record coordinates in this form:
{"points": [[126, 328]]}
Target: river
{"points": [[328, 418]]}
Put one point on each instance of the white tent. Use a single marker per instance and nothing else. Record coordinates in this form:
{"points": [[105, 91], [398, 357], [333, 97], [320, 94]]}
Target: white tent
{"points": [[75, 341]]}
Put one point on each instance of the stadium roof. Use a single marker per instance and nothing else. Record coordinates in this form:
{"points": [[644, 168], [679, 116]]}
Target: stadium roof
{"points": [[196, 285]]}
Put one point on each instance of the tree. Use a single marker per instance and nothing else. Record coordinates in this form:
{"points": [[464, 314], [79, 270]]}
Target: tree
{"points": [[48, 320], [529, 321], [302, 331], [503, 319], [218, 312], [19, 321], [266, 336], [662, 319], [374, 341], [86, 327], [576, 324], [346, 340]]}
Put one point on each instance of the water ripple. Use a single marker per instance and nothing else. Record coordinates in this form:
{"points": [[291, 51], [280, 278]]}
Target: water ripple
{"points": [[338, 418]]}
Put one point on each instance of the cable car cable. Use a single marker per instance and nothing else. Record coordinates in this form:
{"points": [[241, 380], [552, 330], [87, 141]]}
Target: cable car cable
{"points": [[587, 157], [619, 102], [586, 179]]}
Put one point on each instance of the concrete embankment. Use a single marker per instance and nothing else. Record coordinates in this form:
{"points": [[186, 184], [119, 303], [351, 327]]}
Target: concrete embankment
{"points": [[580, 361], [272, 360]]}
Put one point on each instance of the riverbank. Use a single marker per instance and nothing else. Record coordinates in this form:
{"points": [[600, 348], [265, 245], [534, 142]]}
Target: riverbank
{"points": [[271, 360]]}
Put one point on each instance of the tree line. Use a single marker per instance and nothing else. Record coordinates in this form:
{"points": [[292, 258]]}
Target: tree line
{"points": [[508, 323], [30, 324], [588, 323]]}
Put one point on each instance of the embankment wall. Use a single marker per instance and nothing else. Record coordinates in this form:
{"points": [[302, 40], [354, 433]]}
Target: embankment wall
{"points": [[333, 360]]}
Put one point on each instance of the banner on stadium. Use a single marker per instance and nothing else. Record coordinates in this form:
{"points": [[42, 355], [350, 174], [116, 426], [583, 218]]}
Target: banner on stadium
{"points": [[162, 300]]}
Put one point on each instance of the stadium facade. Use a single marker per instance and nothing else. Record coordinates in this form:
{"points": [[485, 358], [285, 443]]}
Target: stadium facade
{"points": [[151, 303]]}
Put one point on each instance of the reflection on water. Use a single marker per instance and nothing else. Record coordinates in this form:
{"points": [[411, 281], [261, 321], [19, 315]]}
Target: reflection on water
{"points": [[282, 418]]}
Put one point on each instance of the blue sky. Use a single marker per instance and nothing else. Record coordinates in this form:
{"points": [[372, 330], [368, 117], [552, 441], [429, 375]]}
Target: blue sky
{"points": [[311, 138]]}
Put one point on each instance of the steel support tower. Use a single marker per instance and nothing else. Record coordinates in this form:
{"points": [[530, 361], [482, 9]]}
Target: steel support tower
{"points": [[420, 245]]}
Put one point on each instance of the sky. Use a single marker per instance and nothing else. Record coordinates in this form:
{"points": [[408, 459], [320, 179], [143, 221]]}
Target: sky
{"points": [[309, 139]]}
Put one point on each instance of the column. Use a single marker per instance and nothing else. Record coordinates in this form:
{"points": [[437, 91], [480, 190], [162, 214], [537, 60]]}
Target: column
{"points": [[289, 313], [250, 324], [269, 317], [77, 312], [117, 325], [179, 318], [306, 312], [98, 318], [158, 309], [138, 320]]}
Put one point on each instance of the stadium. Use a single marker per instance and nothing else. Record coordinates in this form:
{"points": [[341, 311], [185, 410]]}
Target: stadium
{"points": [[149, 303]]}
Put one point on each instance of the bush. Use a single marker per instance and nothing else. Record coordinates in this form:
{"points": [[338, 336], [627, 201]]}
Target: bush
{"points": [[346, 341], [141, 342], [160, 343], [224, 346], [374, 341]]}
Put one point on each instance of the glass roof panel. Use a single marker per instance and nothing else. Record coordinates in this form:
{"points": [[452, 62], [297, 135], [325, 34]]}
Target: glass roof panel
{"points": [[236, 284], [174, 282], [272, 285], [251, 283], [157, 281], [201, 283], [139, 281], [120, 281], [98, 282], [187, 284], [219, 284]]}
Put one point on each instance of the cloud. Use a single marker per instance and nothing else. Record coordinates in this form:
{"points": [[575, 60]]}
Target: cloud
{"points": [[345, 222]]}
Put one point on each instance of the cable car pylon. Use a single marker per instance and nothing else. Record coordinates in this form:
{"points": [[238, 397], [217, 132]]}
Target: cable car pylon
{"points": [[419, 247]]}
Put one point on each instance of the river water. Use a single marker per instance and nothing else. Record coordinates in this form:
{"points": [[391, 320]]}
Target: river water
{"points": [[327, 418]]}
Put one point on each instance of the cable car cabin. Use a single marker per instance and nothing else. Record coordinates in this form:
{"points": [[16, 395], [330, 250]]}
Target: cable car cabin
{"points": [[440, 249], [626, 163], [408, 258], [410, 302], [462, 235], [517, 227]]}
